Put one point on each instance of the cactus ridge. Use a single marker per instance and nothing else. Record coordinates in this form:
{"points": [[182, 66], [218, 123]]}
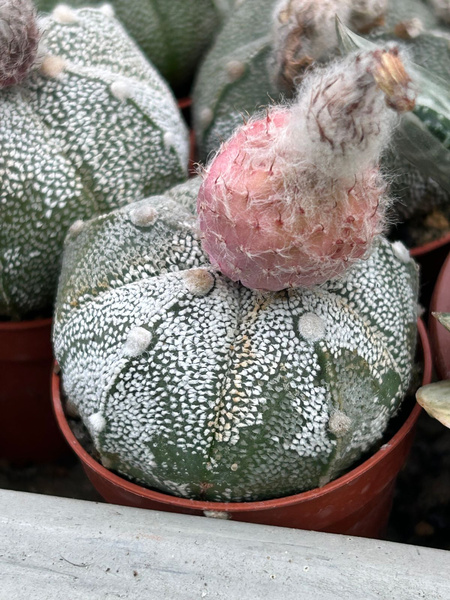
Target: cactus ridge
{"points": [[202, 388], [95, 127]]}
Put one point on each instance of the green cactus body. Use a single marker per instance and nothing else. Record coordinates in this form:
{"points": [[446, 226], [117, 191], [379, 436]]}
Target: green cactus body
{"points": [[234, 80], [173, 34], [93, 129], [199, 387]]}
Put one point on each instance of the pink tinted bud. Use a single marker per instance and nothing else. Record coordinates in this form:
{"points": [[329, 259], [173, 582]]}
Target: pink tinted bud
{"points": [[294, 198], [19, 40]]}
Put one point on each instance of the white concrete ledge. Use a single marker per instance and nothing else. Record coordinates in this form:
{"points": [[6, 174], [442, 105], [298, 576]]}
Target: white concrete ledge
{"points": [[56, 549]]}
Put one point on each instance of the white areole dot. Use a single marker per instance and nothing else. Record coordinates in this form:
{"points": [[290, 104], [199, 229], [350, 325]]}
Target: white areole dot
{"points": [[138, 341], [64, 14], [76, 228], [199, 281], [107, 10], [216, 514], [235, 70], [96, 422], [339, 423], [121, 89], [169, 140], [143, 216], [401, 252], [206, 116], [311, 327], [52, 66], [106, 462]]}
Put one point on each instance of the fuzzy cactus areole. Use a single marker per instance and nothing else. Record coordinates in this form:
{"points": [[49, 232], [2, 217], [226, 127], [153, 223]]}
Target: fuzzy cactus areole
{"points": [[19, 40], [295, 197], [200, 387]]}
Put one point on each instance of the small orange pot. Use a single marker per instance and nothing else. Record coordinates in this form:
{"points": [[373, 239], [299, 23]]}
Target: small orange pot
{"points": [[430, 258], [357, 503], [439, 336], [28, 429]]}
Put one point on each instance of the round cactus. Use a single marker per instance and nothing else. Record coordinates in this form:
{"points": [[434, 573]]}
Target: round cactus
{"points": [[173, 34], [92, 128], [199, 387], [295, 198]]}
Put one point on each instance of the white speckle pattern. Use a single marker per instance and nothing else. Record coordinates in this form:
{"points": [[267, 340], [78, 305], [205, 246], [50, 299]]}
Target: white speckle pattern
{"points": [[70, 149], [229, 402], [401, 252], [138, 340], [311, 327], [143, 216]]}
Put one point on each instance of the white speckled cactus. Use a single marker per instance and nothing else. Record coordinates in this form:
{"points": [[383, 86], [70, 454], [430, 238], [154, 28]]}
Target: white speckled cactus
{"points": [[91, 128], [199, 387], [173, 34]]}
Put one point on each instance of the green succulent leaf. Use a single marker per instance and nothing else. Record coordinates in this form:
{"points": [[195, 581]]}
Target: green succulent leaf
{"points": [[443, 318], [435, 399]]}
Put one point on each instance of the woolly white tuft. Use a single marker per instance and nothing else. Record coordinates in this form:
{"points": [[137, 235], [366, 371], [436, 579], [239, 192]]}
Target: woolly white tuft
{"points": [[143, 216], [96, 423], [64, 14], [137, 342], [311, 327]]}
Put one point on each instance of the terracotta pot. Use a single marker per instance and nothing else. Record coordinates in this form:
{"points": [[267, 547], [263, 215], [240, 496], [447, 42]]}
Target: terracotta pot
{"points": [[357, 503], [439, 336], [28, 429], [430, 258]]}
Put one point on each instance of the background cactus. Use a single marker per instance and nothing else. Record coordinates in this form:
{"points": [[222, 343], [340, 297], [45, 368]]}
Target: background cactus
{"points": [[259, 67], [93, 128], [200, 387], [173, 34]]}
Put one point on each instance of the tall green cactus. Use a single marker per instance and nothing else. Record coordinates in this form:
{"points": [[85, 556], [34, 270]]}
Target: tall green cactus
{"points": [[199, 387], [93, 128], [173, 34]]}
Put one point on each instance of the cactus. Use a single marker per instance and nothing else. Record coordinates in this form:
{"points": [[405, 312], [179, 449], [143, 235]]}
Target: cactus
{"points": [[200, 387], [19, 32], [91, 128], [295, 198], [271, 63], [173, 34]]}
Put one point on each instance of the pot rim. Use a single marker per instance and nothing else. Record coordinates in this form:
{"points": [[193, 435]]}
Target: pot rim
{"points": [[10, 326], [430, 246], [231, 507]]}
